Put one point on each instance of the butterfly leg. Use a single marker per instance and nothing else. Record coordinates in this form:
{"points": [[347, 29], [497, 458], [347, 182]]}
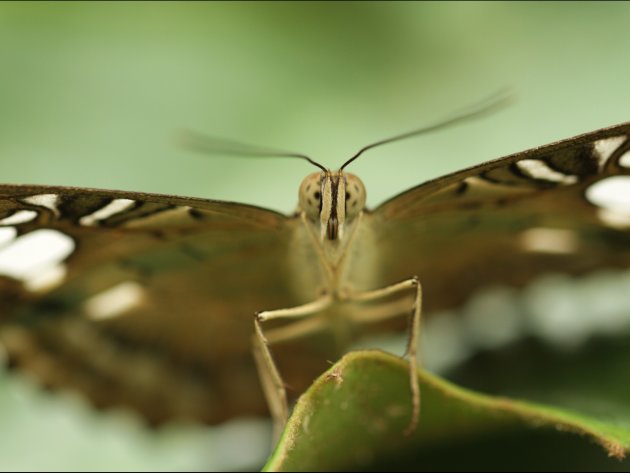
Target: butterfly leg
{"points": [[272, 383], [414, 334]]}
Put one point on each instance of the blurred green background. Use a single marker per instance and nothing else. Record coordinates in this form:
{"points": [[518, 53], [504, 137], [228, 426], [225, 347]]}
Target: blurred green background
{"points": [[93, 94]]}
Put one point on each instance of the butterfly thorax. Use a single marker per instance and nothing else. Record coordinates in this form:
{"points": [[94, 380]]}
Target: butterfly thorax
{"points": [[331, 206]]}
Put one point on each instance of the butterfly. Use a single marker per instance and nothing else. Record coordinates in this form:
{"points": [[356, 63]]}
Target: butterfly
{"points": [[154, 302]]}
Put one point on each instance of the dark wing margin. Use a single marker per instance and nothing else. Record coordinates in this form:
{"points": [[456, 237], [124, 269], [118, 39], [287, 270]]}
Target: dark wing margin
{"points": [[140, 300], [508, 221]]}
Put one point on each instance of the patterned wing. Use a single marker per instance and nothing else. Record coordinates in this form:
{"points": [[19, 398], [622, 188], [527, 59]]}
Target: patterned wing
{"points": [[556, 208], [141, 300]]}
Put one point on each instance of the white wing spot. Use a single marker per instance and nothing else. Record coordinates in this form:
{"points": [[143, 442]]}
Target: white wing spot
{"points": [[21, 216], [492, 318], [606, 147], [540, 170], [114, 301], [30, 256], [549, 240], [114, 207], [568, 311], [612, 195], [444, 342], [7, 234], [49, 201], [46, 279], [614, 218], [555, 312], [624, 160]]}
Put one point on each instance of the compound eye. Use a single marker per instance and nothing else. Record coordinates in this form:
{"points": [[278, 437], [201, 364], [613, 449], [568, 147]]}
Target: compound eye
{"points": [[311, 196], [355, 196]]}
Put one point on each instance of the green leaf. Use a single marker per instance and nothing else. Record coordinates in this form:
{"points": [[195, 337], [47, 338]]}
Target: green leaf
{"points": [[357, 412]]}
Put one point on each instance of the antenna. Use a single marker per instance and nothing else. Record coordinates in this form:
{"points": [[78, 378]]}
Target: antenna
{"points": [[495, 101], [212, 145]]}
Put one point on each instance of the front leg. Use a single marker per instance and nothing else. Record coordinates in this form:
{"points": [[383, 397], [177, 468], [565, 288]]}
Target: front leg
{"points": [[270, 378], [414, 333]]}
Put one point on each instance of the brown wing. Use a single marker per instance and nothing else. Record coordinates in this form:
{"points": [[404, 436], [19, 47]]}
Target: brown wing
{"points": [[508, 221], [179, 281]]}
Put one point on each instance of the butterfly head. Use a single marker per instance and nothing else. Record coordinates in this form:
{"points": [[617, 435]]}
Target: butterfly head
{"points": [[332, 200]]}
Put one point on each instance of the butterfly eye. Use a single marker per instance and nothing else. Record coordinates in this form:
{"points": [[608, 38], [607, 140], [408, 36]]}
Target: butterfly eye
{"points": [[310, 196], [355, 196]]}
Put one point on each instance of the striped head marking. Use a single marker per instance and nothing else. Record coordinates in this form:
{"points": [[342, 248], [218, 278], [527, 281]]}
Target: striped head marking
{"points": [[332, 199]]}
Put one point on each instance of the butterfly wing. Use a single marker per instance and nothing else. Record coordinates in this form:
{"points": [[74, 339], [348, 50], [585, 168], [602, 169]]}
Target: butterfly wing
{"points": [[148, 301], [508, 221]]}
